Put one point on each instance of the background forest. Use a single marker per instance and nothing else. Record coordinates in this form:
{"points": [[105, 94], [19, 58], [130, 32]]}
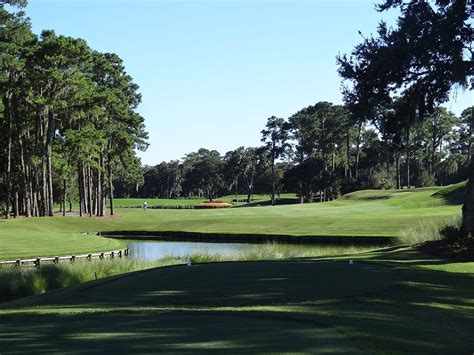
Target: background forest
{"points": [[321, 152]]}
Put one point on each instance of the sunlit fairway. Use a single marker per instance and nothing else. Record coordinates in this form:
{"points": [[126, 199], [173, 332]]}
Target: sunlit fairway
{"points": [[363, 213], [138, 202], [390, 301]]}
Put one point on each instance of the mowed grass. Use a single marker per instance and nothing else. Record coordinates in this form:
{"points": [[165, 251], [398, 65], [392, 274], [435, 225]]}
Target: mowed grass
{"points": [[364, 213], [260, 200], [138, 202], [393, 300]]}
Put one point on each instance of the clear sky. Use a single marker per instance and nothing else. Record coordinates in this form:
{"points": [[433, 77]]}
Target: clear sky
{"points": [[211, 72]]}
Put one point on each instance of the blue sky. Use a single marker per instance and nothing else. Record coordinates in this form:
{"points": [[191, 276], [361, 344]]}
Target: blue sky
{"points": [[211, 72]]}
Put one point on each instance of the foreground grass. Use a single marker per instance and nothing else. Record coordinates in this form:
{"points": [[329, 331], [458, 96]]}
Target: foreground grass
{"points": [[17, 282], [389, 301], [363, 213]]}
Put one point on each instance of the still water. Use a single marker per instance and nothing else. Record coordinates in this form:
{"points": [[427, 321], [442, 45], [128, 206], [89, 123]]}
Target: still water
{"points": [[154, 250]]}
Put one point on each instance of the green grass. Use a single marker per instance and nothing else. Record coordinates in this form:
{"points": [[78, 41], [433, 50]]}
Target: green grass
{"points": [[138, 202], [17, 282], [363, 213], [393, 301], [427, 230], [260, 200]]}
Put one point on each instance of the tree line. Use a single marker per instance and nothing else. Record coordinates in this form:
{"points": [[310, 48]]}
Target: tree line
{"points": [[320, 152], [405, 71], [68, 121]]}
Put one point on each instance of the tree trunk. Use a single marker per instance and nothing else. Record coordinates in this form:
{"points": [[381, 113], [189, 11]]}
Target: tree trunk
{"points": [[468, 208], [25, 179], [100, 187], [16, 205], [89, 189], [49, 162], [236, 190], [111, 185], [64, 197], [408, 156], [273, 179], [359, 132], [80, 187], [348, 144], [399, 180], [7, 115]]}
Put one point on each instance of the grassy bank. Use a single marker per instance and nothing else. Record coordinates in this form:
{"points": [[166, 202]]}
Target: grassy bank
{"points": [[363, 213], [388, 301], [17, 282]]}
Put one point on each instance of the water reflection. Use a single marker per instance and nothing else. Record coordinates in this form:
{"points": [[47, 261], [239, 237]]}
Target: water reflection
{"points": [[154, 250]]}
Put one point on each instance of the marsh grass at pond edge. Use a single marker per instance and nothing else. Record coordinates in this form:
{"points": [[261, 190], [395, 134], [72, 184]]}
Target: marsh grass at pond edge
{"points": [[17, 282]]}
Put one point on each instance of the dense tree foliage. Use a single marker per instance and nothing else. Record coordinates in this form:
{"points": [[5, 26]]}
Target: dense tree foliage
{"points": [[68, 125], [320, 152], [69, 128], [413, 67]]}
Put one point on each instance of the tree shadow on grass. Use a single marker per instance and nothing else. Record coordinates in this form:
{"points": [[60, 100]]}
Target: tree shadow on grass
{"points": [[400, 308]]}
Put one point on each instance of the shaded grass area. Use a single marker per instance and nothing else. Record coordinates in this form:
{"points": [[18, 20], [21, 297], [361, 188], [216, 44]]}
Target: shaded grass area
{"points": [[17, 282], [360, 214], [260, 200], [393, 300]]}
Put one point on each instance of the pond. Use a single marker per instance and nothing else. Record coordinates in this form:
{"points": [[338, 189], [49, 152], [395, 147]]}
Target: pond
{"points": [[154, 250]]}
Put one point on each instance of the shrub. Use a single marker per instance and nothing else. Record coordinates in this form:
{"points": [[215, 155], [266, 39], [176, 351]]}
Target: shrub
{"points": [[426, 180], [213, 205], [454, 236], [382, 179], [351, 185]]}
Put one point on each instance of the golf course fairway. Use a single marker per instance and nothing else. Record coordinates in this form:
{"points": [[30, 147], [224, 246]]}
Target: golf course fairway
{"points": [[367, 213]]}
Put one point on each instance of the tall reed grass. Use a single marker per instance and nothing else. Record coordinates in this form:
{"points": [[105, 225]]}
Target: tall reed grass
{"points": [[427, 230], [276, 251], [16, 282]]}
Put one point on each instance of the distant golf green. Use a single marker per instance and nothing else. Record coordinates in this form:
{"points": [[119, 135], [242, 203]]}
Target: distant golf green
{"points": [[138, 202], [393, 300], [363, 213]]}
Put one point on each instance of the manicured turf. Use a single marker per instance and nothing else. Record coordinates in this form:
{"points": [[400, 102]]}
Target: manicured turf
{"points": [[260, 200], [138, 202], [388, 301], [363, 213]]}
